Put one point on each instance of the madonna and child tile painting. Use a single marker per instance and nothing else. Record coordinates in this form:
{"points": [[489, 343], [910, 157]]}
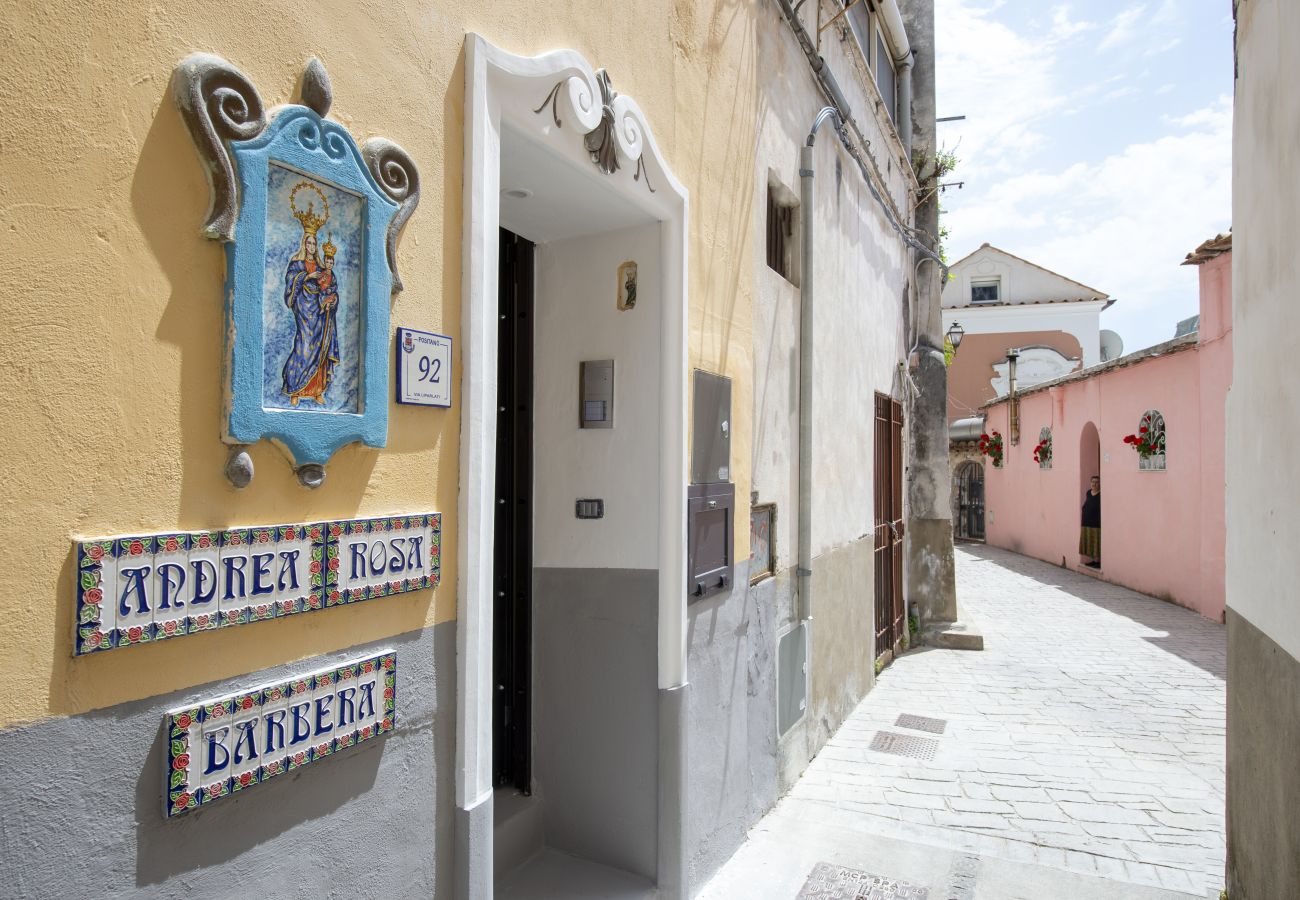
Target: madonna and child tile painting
{"points": [[312, 299]]}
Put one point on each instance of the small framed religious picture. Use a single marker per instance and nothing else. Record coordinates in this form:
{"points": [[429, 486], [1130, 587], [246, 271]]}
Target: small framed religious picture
{"points": [[627, 285], [423, 368]]}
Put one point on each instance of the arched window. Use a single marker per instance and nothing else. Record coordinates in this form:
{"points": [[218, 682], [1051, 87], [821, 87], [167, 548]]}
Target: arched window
{"points": [[1151, 442], [1043, 449]]}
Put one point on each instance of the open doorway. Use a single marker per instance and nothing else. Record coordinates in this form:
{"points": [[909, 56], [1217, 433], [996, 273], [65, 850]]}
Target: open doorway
{"points": [[970, 501], [1090, 522], [580, 761]]}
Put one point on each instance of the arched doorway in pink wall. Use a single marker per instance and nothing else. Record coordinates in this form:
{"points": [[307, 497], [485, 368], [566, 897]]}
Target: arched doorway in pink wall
{"points": [[1089, 467]]}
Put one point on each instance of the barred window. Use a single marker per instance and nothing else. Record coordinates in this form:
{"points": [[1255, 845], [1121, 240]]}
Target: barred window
{"points": [[1151, 433], [782, 221], [1043, 449]]}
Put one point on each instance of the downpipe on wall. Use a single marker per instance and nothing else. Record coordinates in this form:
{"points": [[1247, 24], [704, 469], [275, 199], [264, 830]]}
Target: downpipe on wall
{"points": [[806, 294]]}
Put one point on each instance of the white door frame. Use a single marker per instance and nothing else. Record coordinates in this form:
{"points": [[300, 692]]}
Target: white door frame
{"points": [[504, 89]]}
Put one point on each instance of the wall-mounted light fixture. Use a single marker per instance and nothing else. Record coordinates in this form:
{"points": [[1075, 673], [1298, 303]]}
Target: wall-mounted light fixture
{"points": [[955, 334]]}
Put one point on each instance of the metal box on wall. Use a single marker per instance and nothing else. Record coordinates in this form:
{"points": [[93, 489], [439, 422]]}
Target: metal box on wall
{"points": [[711, 429], [711, 500], [711, 542]]}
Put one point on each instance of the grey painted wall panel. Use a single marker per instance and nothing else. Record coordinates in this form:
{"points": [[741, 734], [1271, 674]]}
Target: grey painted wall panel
{"points": [[81, 802], [596, 713], [731, 770], [1263, 778]]}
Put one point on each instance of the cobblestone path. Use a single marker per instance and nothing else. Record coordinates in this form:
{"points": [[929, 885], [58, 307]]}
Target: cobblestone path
{"points": [[1088, 736]]}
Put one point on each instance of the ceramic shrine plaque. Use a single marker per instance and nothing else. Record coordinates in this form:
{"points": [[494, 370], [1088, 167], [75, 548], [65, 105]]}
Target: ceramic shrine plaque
{"points": [[231, 743], [310, 221], [135, 590]]}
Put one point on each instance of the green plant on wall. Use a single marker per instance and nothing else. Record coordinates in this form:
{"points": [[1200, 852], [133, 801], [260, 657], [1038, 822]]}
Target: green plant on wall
{"points": [[949, 351], [931, 170]]}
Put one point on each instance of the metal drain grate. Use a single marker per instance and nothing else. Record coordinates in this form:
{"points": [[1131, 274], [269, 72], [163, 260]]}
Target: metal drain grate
{"points": [[829, 882], [904, 745], [921, 723]]}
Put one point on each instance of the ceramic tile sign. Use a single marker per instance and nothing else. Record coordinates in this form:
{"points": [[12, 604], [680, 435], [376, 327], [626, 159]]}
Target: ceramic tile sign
{"points": [[423, 368], [137, 590], [236, 742]]}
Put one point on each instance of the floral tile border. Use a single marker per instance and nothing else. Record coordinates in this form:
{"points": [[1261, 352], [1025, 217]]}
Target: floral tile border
{"points": [[356, 699], [145, 588]]}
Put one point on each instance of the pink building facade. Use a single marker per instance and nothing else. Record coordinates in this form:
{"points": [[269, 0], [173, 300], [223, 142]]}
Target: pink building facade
{"points": [[1162, 529]]}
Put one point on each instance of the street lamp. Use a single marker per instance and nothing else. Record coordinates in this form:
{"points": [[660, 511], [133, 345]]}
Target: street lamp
{"points": [[955, 334]]}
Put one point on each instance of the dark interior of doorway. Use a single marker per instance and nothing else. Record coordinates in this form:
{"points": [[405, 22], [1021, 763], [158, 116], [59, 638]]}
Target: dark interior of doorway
{"points": [[513, 548]]}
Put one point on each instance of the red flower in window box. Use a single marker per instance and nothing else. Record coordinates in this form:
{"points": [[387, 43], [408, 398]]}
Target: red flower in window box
{"points": [[991, 446]]}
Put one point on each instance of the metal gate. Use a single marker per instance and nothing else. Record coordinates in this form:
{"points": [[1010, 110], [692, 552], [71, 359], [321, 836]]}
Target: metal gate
{"points": [[970, 502], [891, 614]]}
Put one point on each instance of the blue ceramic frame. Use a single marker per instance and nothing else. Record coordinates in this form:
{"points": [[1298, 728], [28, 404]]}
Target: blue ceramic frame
{"points": [[300, 139]]}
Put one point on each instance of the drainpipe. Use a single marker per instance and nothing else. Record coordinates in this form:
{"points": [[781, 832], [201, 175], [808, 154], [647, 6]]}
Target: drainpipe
{"points": [[905, 103], [806, 280], [1013, 408]]}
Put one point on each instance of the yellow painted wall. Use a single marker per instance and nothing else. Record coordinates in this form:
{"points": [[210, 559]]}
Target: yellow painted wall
{"points": [[112, 302]]}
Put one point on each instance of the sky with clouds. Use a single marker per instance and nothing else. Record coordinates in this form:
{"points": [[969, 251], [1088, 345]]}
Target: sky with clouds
{"points": [[1097, 142]]}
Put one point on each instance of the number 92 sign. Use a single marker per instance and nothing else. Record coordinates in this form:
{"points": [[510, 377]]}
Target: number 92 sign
{"points": [[423, 368]]}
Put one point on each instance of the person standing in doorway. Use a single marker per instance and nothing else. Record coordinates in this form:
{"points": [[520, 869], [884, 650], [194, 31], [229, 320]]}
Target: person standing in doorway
{"points": [[1090, 533]]}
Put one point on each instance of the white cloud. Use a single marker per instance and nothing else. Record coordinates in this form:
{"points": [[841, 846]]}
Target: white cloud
{"points": [[1064, 28], [1123, 29], [1162, 47], [1122, 224], [1001, 80]]}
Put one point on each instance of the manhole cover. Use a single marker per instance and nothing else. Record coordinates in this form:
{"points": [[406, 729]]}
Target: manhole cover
{"points": [[904, 745], [921, 723], [828, 882]]}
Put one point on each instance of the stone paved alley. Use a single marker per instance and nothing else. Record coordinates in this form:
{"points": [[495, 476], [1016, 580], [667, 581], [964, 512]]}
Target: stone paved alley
{"points": [[1082, 756]]}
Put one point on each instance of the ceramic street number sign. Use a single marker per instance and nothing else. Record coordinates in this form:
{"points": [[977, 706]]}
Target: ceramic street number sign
{"points": [[235, 742], [135, 590], [423, 368]]}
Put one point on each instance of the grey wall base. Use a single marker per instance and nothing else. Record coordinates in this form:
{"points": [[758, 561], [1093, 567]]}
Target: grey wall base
{"points": [[596, 713], [931, 571], [1263, 774], [674, 753], [731, 722], [81, 810], [841, 657], [473, 863]]}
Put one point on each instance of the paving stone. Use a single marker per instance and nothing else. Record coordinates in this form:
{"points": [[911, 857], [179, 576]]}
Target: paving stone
{"points": [[963, 804], [1119, 832], [969, 820], [1047, 812]]}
